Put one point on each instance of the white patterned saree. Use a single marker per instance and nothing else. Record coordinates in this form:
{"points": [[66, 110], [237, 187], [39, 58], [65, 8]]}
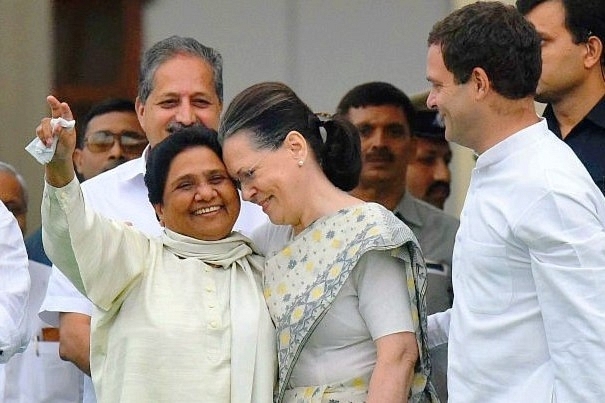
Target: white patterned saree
{"points": [[303, 279]]}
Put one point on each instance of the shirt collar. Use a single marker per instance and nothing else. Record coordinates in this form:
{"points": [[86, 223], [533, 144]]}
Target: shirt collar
{"points": [[137, 165], [596, 116], [597, 113], [512, 144], [551, 119], [407, 211]]}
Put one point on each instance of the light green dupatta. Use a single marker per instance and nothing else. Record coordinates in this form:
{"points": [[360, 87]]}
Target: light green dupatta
{"points": [[252, 333], [303, 279]]}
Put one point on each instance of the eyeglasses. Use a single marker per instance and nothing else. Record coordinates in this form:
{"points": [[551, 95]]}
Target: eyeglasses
{"points": [[130, 142]]}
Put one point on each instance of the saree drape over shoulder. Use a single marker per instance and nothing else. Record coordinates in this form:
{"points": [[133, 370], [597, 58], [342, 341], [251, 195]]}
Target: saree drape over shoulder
{"points": [[303, 279]]}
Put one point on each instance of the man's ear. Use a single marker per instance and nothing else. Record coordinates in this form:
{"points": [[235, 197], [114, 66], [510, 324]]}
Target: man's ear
{"points": [[480, 82], [159, 212], [77, 159], [594, 52], [139, 106], [296, 145]]}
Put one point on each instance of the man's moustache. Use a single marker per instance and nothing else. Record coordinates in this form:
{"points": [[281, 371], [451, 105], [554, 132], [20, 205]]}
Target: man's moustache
{"points": [[175, 126], [439, 187], [382, 155]]}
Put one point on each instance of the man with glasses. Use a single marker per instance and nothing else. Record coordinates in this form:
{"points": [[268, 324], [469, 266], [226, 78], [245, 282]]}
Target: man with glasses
{"points": [[110, 135]]}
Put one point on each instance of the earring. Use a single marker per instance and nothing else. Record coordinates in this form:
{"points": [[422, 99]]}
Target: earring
{"points": [[300, 163]]}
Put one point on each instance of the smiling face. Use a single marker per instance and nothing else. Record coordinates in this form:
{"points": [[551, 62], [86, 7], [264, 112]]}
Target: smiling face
{"points": [[563, 67], [200, 199], [265, 177], [454, 101], [387, 144], [183, 94]]}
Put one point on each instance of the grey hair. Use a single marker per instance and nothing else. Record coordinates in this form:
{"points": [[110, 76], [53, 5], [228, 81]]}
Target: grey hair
{"points": [[168, 48], [4, 167]]}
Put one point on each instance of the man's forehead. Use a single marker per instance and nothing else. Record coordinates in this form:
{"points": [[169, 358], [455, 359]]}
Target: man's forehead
{"points": [[378, 112], [183, 67], [434, 143], [114, 120]]}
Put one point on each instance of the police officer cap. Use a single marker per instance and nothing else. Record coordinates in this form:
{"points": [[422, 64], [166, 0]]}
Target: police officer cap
{"points": [[429, 123]]}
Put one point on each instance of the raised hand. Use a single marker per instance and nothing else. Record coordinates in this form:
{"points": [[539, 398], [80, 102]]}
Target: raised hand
{"points": [[60, 170]]}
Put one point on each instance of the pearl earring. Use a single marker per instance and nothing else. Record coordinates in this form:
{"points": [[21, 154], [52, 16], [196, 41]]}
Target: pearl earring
{"points": [[300, 163]]}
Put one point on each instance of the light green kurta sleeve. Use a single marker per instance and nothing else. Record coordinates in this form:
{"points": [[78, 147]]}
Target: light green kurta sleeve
{"points": [[101, 257]]}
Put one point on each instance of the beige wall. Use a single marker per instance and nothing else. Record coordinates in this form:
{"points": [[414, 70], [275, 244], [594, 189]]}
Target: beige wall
{"points": [[25, 50]]}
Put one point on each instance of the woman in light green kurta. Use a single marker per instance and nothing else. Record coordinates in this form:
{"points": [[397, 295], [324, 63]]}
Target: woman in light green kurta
{"points": [[180, 318], [344, 280]]}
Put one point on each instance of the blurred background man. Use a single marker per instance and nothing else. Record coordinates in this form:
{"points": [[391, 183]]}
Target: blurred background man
{"points": [[110, 135], [13, 194], [14, 290], [572, 83], [37, 374], [428, 175], [386, 121]]}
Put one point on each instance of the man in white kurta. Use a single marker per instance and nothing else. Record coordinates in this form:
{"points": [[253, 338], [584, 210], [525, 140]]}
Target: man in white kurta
{"points": [[529, 315], [528, 320]]}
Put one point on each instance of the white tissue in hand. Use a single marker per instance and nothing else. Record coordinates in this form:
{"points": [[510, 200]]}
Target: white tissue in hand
{"points": [[39, 150], [67, 124]]}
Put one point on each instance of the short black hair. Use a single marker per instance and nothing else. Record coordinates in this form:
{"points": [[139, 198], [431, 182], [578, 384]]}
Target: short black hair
{"points": [[103, 107], [583, 18], [161, 156], [377, 93], [496, 38]]}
